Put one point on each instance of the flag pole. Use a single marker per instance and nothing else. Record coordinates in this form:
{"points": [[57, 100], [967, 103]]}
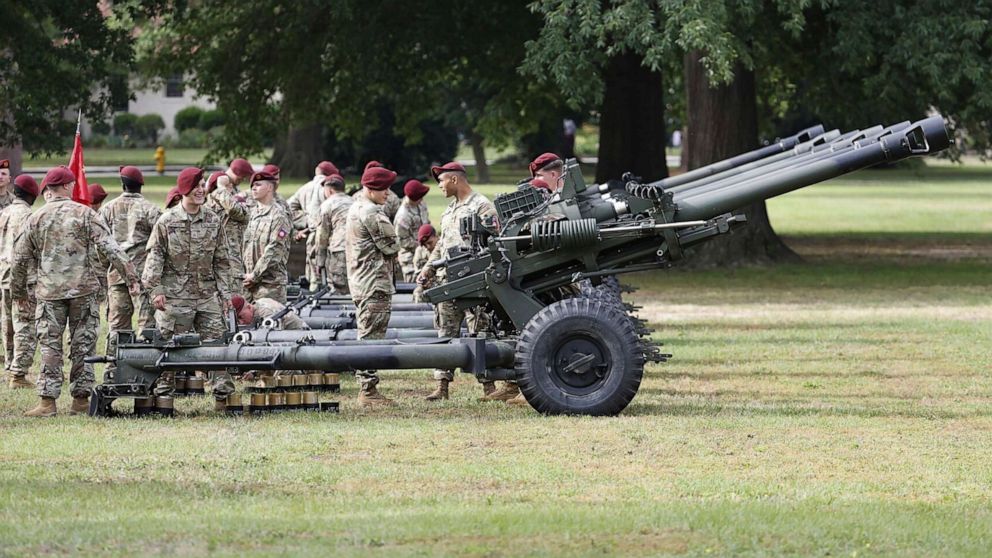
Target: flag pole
{"points": [[79, 121]]}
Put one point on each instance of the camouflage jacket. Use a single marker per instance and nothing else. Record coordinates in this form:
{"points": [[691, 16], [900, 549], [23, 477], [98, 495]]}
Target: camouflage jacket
{"points": [[188, 256], [370, 248], [333, 226], [6, 198], [450, 235], [408, 220], [392, 205], [421, 257], [12, 219], [62, 240], [299, 203], [265, 249], [266, 308], [234, 210], [131, 218]]}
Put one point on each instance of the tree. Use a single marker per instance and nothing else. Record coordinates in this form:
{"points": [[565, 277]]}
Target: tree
{"points": [[56, 57]]}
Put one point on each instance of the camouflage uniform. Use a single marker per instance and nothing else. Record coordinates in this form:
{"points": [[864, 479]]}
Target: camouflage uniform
{"points": [[6, 197], [310, 204], [447, 314], [408, 221], [265, 252], [370, 247], [266, 308], [331, 234], [131, 218], [421, 258], [19, 332], [188, 261], [392, 205], [58, 242], [234, 211]]}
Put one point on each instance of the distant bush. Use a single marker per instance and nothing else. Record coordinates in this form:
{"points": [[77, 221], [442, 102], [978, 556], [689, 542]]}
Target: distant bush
{"points": [[192, 138], [125, 123], [97, 140], [211, 119], [188, 118], [148, 126], [101, 127]]}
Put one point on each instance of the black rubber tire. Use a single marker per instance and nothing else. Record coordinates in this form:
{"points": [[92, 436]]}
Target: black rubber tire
{"points": [[595, 328]]}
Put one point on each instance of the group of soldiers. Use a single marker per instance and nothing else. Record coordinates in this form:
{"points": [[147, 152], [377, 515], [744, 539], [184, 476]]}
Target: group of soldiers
{"points": [[215, 248]]}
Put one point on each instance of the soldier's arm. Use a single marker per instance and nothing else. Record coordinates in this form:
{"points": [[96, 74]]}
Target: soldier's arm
{"points": [[324, 232], [22, 261], [297, 211], [151, 278], [236, 210], [276, 248], [383, 234], [109, 250], [223, 266], [407, 237]]}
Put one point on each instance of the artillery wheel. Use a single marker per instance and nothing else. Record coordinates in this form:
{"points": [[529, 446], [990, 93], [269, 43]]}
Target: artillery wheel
{"points": [[579, 356], [99, 403]]}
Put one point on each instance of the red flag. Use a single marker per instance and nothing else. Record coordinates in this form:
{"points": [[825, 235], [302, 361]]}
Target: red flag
{"points": [[81, 191]]}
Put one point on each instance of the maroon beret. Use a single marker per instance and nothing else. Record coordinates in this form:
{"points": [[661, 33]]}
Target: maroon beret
{"points": [[262, 175], [97, 193], [238, 303], [542, 160], [452, 166], [241, 168], [373, 164], [212, 181], [27, 184], [378, 178], [415, 189], [271, 169], [188, 179], [333, 179], [540, 183], [173, 197], [4, 163], [134, 173], [58, 176], [424, 233], [328, 168]]}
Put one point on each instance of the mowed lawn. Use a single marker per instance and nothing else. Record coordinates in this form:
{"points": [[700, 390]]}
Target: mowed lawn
{"points": [[839, 407]]}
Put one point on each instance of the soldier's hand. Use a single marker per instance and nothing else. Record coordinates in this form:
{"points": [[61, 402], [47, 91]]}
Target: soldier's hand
{"points": [[23, 306], [159, 302], [249, 279], [423, 278], [300, 235], [134, 288]]}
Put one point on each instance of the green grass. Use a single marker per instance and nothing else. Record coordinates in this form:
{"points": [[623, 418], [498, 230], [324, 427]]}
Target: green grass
{"points": [[126, 156], [837, 407]]}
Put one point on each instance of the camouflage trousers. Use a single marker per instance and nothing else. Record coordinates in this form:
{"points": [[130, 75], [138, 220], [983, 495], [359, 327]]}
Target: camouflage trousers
{"points": [[82, 315], [203, 316], [313, 270], [405, 257], [448, 321], [7, 327], [372, 314], [25, 334], [275, 292], [120, 312], [337, 271]]}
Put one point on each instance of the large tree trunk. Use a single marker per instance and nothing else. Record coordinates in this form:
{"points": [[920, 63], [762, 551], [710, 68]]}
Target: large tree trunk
{"points": [[299, 151], [632, 123], [479, 152], [722, 122]]}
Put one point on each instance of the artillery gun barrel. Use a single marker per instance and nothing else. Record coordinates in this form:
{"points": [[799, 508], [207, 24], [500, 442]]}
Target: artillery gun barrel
{"points": [[321, 312], [321, 336], [395, 321], [922, 137], [396, 307]]}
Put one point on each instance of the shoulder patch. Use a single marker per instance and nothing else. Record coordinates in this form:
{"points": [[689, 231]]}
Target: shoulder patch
{"points": [[282, 232]]}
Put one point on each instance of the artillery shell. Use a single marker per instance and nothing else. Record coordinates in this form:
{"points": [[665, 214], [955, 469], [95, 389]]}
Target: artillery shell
{"points": [[165, 406], [234, 399], [294, 400], [285, 381], [332, 381], [310, 400], [299, 380], [315, 379], [181, 383], [259, 403], [276, 401], [144, 406], [269, 382], [195, 386]]}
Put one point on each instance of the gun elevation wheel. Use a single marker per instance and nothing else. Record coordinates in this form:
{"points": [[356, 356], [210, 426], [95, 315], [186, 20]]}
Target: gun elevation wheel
{"points": [[579, 356]]}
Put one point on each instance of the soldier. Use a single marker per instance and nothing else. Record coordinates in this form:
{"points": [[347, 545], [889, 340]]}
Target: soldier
{"points": [[331, 234], [57, 242], [426, 240], [266, 244], [18, 328], [252, 314], [97, 195], [549, 168], [5, 196], [453, 181], [187, 266], [279, 200], [304, 211], [392, 204], [371, 248], [131, 219], [234, 209], [410, 217]]}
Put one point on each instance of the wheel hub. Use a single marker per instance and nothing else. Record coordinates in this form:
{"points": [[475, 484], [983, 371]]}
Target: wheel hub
{"points": [[579, 362]]}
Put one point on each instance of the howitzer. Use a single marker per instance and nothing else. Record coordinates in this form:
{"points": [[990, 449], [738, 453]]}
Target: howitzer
{"points": [[295, 307], [572, 354]]}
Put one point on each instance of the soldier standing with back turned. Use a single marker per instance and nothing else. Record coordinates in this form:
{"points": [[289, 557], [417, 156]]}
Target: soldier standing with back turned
{"points": [[331, 232], [371, 247], [59, 241], [131, 218]]}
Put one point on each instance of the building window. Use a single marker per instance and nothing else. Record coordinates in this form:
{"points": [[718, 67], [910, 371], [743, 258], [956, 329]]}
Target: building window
{"points": [[174, 86]]}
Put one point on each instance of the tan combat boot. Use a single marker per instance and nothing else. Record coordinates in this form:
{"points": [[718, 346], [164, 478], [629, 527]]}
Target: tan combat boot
{"points": [[370, 397], [45, 408], [440, 393], [20, 382], [220, 405], [518, 400], [80, 406], [488, 388], [505, 393]]}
